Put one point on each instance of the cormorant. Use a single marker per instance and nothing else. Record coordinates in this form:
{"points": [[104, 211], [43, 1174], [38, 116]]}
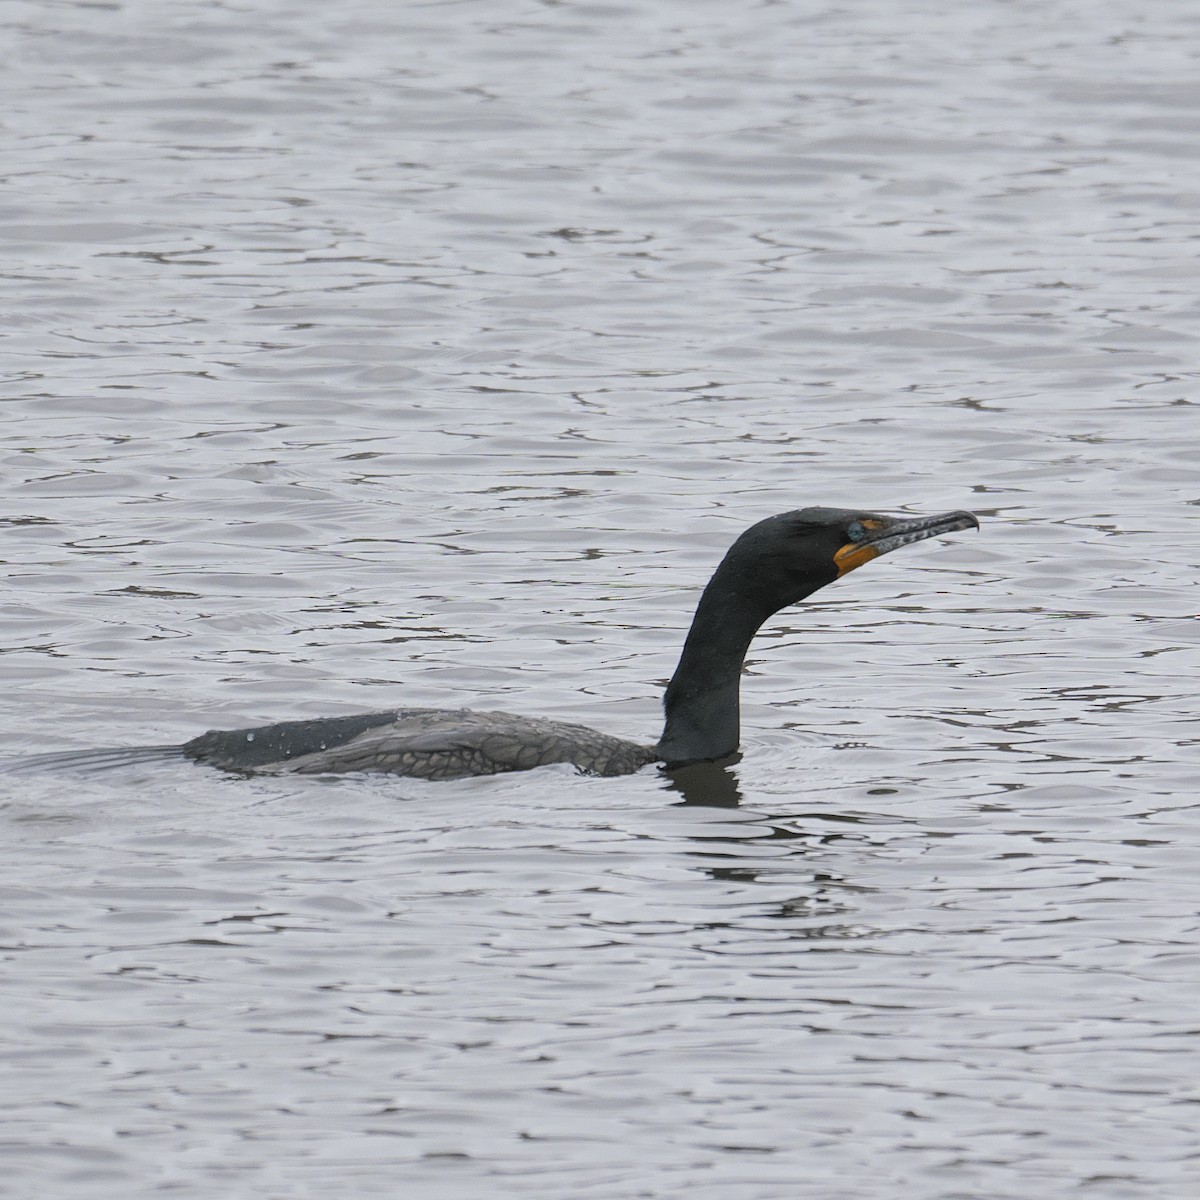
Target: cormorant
{"points": [[777, 562]]}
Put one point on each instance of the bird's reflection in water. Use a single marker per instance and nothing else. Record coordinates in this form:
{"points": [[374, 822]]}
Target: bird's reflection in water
{"points": [[706, 784]]}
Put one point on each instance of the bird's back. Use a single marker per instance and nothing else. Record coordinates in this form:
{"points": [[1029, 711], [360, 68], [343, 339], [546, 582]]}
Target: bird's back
{"points": [[422, 743]]}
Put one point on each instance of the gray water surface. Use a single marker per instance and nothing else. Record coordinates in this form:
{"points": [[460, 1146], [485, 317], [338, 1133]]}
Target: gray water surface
{"points": [[432, 354]]}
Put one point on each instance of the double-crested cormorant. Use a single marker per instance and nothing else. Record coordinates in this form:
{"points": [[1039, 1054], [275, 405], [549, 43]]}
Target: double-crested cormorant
{"points": [[775, 563]]}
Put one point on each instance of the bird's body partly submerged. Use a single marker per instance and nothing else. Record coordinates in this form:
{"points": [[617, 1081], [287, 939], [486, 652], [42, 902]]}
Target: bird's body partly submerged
{"points": [[422, 743], [775, 563]]}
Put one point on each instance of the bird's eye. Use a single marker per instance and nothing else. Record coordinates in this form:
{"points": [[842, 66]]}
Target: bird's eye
{"points": [[856, 532]]}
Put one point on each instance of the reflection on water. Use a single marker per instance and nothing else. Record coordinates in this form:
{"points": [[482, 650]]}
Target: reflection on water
{"points": [[432, 355], [708, 784]]}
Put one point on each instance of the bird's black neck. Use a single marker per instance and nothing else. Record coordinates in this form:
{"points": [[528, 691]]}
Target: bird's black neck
{"points": [[702, 700]]}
